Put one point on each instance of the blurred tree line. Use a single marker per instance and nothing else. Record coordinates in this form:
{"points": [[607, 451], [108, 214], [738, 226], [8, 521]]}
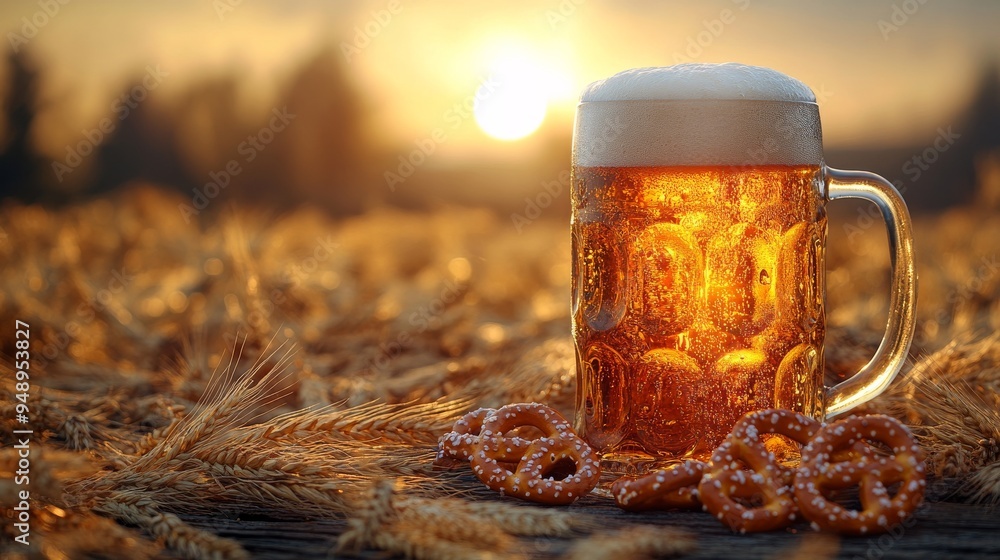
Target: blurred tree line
{"points": [[311, 146], [315, 146], [953, 164]]}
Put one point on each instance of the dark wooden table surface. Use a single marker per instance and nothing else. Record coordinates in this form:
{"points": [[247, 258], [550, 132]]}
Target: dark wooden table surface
{"points": [[944, 529]]}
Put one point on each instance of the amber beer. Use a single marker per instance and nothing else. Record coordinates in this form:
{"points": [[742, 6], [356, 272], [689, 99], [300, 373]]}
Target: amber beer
{"points": [[697, 298], [698, 230]]}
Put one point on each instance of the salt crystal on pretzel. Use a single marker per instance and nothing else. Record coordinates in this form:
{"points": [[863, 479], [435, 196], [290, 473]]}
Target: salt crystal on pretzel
{"points": [[673, 487], [519, 466], [823, 471], [725, 487]]}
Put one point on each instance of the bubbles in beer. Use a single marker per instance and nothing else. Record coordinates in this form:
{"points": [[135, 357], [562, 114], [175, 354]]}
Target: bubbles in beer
{"points": [[603, 276], [605, 396], [798, 304], [577, 274], [746, 378], [669, 278], [706, 343], [700, 300], [664, 384], [797, 384], [737, 301]]}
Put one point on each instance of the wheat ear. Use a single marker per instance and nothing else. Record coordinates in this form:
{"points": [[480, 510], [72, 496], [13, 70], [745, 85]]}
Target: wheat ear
{"points": [[190, 542]]}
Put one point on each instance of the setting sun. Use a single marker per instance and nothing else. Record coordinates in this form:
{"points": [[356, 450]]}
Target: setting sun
{"points": [[511, 103]]}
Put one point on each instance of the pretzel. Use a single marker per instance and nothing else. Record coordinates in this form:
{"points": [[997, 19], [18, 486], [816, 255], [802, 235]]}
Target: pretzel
{"points": [[823, 471], [726, 487], [675, 487], [459, 444], [521, 467]]}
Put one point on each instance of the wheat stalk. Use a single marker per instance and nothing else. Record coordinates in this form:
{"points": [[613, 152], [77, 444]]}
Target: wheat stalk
{"points": [[374, 509], [76, 430], [190, 542], [640, 541], [234, 406], [513, 518], [813, 546], [415, 542], [983, 486], [230, 428], [420, 528], [57, 533], [954, 416], [406, 423]]}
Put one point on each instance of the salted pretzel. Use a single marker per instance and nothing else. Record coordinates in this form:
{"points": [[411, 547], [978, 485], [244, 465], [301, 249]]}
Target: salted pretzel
{"points": [[822, 471], [675, 487], [458, 445], [526, 468], [726, 486]]}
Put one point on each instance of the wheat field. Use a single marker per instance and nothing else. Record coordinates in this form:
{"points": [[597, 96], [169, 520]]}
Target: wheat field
{"points": [[296, 367]]}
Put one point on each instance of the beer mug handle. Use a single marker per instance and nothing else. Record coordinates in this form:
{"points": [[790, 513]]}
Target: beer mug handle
{"points": [[892, 352]]}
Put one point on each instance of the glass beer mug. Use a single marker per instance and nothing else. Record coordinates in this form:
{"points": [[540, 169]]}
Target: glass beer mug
{"points": [[698, 231]]}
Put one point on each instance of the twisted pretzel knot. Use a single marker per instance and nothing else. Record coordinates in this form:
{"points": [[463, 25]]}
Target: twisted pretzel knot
{"points": [[726, 487], [673, 487], [556, 468], [769, 496], [823, 471], [458, 445]]}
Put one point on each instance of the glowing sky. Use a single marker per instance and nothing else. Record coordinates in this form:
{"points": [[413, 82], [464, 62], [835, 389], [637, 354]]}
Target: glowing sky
{"points": [[414, 61]]}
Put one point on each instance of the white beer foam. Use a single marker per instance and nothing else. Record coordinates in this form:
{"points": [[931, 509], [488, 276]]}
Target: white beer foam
{"points": [[697, 114], [699, 81]]}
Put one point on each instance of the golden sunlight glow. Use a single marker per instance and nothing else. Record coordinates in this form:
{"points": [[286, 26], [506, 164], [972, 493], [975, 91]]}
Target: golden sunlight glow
{"points": [[512, 102]]}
